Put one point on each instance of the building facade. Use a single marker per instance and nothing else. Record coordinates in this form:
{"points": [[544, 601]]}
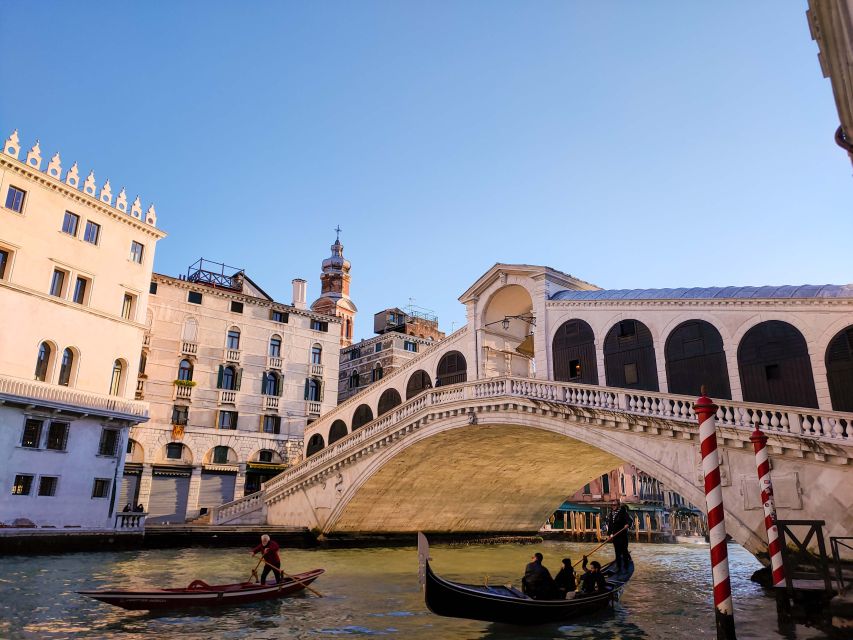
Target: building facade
{"points": [[232, 378], [75, 264], [334, 297]]}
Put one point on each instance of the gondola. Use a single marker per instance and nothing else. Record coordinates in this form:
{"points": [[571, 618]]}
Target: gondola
{"points": [[506, 604], [201, 594]]}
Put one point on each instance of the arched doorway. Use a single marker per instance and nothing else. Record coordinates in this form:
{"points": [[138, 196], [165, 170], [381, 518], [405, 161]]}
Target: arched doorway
{"points": [[419, 381], [389, 399], [839, 370], [337, 431], [773, 361], [363, 414], [315, 444], [573, 353], [695, 357], [452, 369], [629, 356], [506, 337]]}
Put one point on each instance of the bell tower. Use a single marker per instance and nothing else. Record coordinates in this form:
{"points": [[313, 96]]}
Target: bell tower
{"points": [[334, 297]]}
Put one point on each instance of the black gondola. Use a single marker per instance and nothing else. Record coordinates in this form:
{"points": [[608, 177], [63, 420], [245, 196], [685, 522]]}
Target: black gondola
{"points": [[507, 604]]}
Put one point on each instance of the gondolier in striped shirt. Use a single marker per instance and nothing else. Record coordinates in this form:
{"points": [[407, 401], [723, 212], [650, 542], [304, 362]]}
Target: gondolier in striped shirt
{"points": [[272, 562]]}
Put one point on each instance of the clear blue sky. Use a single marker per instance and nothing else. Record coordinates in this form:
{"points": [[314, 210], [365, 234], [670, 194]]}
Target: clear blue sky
{"points": [[632, 144]]}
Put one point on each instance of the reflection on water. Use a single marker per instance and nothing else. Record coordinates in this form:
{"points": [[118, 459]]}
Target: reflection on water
{"points": [[368, 592]]}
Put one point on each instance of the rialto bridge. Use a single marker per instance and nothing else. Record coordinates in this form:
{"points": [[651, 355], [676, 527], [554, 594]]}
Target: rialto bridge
{"points": [[493, 427]]}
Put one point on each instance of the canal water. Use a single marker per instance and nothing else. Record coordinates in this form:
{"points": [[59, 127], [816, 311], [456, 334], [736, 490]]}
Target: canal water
{"points": [[369, 593]]}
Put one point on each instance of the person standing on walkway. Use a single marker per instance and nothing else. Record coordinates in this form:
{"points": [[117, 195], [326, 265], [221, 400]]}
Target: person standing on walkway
{"points": [[272, 562], [617, 522]]}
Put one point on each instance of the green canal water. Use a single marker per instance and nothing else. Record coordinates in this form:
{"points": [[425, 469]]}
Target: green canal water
{"points": [[368, 593]]}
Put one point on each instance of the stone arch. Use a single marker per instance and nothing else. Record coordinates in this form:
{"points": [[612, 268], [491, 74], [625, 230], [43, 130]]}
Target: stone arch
{"points": [[775, 367], [695, 356], [419, 381], [47, 353], [213, 455], [118, 377], [363, 414], [69, 366], [629, 356], [135, 452], [337, 431], [389, 399], [186, 454], [315, 444], [573, 353], [507, 332], [839, 370], [274, 456], [451, 369]]}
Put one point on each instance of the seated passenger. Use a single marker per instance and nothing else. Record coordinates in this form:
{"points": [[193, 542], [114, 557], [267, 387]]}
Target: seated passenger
{"points": [[565, 580], [592, 581], [537, 581]]}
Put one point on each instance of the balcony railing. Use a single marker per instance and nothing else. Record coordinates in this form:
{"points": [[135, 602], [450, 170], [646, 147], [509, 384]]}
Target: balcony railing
{"points": [[55, 396], [232, 355], [315, 370], [271, 403], [189, 348], [312, 408], [274, 362], [227, 397], [140, 389], [183, 392]]}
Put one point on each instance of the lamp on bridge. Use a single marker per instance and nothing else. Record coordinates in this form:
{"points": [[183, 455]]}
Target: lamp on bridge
{"points": [[529, 319]]}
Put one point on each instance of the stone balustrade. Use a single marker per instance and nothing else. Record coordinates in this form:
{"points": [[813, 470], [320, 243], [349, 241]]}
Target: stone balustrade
{"points": [[312, 408], [271, 403], [183, 392], [274, 362], [189, 348], [315, 370], [227, 396], [230, 510], [130, 521], [232, 355]]}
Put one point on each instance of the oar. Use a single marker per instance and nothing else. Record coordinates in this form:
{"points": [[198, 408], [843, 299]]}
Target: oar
{"points": [[255, 570], [609, 538], [287, 575]]}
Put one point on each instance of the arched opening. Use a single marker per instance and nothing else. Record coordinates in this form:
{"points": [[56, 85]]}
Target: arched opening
{"points": [[389, 399], [419, 381], [176, 453], [774, 365], [190, 333], [337, 431], [507, 333], [135, 452], [695, 357], [573, 353], [316, 354], [275, 346], [232, 339], [452, 369], [185, 370], [629, 356], [66, 367], [839, 370], [354, 380], [271, 384], [221, 454], [44, 360], [315, 444], [376, 373], [117, 378], [313, 390], [363, 414], [229, 378]]}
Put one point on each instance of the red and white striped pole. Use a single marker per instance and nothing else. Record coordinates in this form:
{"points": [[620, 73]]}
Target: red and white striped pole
{"points": [[774, 545], [706, 411]]}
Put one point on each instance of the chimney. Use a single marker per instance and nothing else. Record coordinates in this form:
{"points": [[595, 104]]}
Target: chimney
{"points": [[299, 289]]}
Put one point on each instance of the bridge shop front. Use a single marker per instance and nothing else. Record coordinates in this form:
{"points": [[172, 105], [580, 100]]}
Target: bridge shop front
{"points": [[259, 472]]}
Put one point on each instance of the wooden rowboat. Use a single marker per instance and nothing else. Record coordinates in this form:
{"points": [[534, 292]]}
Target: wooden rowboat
{"points": [[200, 594], [506, 604]]}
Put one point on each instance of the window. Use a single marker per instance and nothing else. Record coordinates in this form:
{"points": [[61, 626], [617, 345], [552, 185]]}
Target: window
{"points": [[316, 354], [633, 482], [376, 374], [236, 307], [185, 370], [143, 360], [92, 234], [270, 386], [174, 451], [136, 250], [57, 436], [80, 287], [408, 345], [279, 316], [23, 484], [275, 347], [66, 367], [220, 455], [127, 306], [180, 414], [15, 199], [316, 325], [32, 433], [233, 339], [70, 223], [227, 419], [101, 488], [47, 485], [229, 378], [587, 489], [109, 442], [355, 354], [631, 373], [4, 260], [622, 483], [43, 361], [57, 283], [265, 456], [313, 390], [377, 348], [574, 369], [115, 379], [354, 380], [194, 297], [272, 424], [152, 288], [605, 483]]}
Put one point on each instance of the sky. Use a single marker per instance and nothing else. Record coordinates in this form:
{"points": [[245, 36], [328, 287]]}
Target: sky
{"points": [[630, 144]]}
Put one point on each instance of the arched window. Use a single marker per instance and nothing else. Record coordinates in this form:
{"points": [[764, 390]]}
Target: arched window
{"points": [[354, 380], [271, 384], [452, 369], [43, 361], [66, 367], [363, 414], [839, 370], [316, 354], [389, 399], [573, 353], [185, 370], [695, 358], [275, 347], [376, 374], [265, 455], [315, 444], [220, 455], [338, 431], [312, 390], [115, 379], [233, 339], [418, 382], [229, 378], [629, 356]]}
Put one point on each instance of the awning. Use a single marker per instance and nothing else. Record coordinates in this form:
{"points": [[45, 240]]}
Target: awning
{"points": [[265, 466], [227, 468], [578, 508], [526, 346], [175, 471]]}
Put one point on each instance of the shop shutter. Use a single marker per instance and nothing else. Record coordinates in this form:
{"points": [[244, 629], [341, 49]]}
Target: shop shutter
{"points": [[129, 488], [216, 489], [168, 502]]}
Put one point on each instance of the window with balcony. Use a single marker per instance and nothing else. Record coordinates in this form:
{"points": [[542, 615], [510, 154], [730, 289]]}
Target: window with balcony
{"points": [[70, 223], [232, 341], [271, 424], [174, 451], [271, 384], [275, 347], [109, 442], [31, 438], [43, 361], [101, 488], [116, 378], [57, 283], [185, 370], [313, 390], [229, 378], [92, 233], [136, 250], [15, 199], [228, 420], [22, 485], [57, 436], [66, 367], [81, 286], [180, 414], [47, 485], [316, 354]]}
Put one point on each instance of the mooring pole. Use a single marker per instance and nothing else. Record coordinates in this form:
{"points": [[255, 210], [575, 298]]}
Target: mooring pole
{"points": [[765, 486], [706, 411]]}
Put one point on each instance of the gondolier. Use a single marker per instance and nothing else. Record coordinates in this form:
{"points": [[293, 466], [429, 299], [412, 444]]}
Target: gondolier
{"points": [[618, 523], [272, 562]]}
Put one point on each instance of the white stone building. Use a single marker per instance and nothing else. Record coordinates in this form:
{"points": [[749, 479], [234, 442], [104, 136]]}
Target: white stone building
{"points": [[75, 264], [232, 378]]}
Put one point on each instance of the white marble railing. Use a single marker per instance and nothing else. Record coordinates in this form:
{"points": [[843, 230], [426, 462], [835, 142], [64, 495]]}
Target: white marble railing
{"points": [[315, 370], [229, 510], [189, 348], [227, 397], [312, 408], [183, 392], [67, 396], [232, 355], [271, 403], [274, 362]]}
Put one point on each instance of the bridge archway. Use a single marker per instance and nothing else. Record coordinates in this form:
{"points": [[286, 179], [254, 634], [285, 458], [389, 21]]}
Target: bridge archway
{"points": [[694, 357], [315, 444], [839, 370], [573, 353], [418, 381], [337, 431], [506, 333], [774, 365], [389, 399], [452, 369], [363, 414], [629, 356]]}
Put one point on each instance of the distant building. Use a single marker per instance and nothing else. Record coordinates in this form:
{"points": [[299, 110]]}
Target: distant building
{"points": [[401, 336], [75, 264], [233, 378], [334, 297]]}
